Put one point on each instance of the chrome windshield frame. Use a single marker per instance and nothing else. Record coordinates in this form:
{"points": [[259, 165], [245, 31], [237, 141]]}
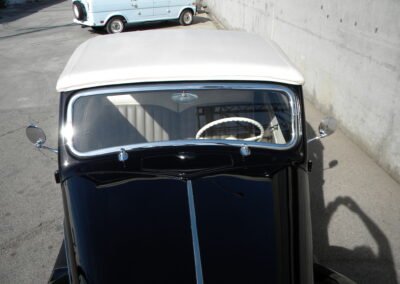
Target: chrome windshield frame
{"points": [[115, 90]]}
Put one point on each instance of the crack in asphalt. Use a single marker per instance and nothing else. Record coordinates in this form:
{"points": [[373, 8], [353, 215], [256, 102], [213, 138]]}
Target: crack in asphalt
{"points": [[36, 30], [31, 121], [11, 131], [29, 234]]}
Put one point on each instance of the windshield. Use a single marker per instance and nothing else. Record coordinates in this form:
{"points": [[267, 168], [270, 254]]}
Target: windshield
{"points": [[109, 121]]}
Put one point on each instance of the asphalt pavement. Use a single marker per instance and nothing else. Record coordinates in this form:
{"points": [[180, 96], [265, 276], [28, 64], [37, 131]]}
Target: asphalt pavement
{"points": [[355, 208]]}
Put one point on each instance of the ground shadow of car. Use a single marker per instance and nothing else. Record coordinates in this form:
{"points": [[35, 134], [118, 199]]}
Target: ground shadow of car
{"points": [[360, 264], [156, 25]]}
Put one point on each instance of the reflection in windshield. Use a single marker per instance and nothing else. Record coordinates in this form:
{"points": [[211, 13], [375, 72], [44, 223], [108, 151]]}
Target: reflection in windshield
{"points": [[104, 121]]}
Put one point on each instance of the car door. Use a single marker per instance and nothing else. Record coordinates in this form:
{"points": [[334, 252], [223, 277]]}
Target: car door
{"points": [[142, 10], [161, 8]]}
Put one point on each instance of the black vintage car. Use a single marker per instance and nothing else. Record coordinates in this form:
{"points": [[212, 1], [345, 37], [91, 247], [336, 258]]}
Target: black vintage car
{"points": [[180, 169]]}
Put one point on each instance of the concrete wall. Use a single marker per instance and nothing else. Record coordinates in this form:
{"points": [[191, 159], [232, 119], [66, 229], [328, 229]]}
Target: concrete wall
{"points": [[349, 53]]}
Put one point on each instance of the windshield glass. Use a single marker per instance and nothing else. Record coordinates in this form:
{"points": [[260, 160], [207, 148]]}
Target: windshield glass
{"points": [[115, 120]]}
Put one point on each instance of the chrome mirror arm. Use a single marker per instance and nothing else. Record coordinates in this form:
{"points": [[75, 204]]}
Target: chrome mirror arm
{"points": [[316, 138], [55, 151], [40, 145]]}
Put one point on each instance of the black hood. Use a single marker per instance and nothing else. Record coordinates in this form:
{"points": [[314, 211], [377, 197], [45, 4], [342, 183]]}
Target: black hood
{"points": [[144, 230]]}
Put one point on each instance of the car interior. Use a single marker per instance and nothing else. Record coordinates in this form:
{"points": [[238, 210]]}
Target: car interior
{"points": [[103, 121]]}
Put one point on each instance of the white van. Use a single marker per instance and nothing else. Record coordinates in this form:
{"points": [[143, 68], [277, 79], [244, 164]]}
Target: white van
{"points": [[116, 14]]}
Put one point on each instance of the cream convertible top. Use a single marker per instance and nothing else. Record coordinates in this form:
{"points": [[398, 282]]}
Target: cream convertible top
{"points": [[176, 55]]}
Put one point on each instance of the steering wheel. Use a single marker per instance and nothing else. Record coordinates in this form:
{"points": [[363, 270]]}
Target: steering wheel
{"points": [[233, 119]]}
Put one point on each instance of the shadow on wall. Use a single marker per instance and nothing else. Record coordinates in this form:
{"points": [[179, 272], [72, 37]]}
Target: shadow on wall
{"points": [[17, 11], [360, 264]]}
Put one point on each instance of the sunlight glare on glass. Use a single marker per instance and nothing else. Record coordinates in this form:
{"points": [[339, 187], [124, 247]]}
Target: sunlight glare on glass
{"points": [[122, 100]]}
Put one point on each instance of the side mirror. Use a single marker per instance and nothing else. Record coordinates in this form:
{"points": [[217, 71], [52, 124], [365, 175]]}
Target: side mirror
{"points": [[37, 136], [327, 127]]}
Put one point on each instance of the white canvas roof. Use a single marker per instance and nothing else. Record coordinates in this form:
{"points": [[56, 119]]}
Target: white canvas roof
{"points": [[176, 55]]}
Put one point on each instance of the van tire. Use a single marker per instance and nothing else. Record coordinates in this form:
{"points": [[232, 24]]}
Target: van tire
{"points": [[186, 17], [115, 25]]}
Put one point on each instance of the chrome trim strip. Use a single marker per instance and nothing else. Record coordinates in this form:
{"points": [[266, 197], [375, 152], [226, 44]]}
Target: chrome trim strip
{"points": [[195, 236], [293, 100]]}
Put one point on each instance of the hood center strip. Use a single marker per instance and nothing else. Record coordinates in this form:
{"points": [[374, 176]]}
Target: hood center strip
{"points": [[195, 236]]}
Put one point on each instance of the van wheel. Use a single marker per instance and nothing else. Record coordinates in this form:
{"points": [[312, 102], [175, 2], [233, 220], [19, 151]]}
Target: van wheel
{"points": [[186, 18], [115, 25]]}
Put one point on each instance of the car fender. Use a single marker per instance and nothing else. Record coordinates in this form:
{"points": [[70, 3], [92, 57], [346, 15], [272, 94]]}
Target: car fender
{"points": [[187, 7], [115, 14]]}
